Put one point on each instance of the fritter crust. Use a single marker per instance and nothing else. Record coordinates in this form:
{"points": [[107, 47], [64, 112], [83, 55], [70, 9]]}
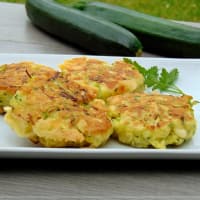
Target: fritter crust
{"points": [[59, 112], [13, 76], [109, 80], [152, 120]]}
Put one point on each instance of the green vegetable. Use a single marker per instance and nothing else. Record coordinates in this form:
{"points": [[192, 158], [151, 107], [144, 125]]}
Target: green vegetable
{"points": [[157, 35], [88, 32], [3, 68], [158, 79]]}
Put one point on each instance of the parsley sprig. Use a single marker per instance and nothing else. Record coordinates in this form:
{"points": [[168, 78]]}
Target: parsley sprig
{"points": [[158, 79]]}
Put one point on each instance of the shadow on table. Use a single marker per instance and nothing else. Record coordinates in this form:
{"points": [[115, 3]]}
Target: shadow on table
{"points": [[93, 165]]}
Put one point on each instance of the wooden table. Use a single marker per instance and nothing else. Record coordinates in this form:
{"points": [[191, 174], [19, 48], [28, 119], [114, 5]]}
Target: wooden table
{"points": [[84, 179]]}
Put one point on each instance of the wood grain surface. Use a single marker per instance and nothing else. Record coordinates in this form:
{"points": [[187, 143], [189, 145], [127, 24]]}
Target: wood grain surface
{"points": [[84, 179], [99, 179]]}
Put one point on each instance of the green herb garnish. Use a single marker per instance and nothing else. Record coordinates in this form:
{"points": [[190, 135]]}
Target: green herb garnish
{"points": [[157, 79]]}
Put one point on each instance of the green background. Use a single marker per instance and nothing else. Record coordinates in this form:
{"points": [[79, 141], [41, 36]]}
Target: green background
{"points": [[187, 10]]}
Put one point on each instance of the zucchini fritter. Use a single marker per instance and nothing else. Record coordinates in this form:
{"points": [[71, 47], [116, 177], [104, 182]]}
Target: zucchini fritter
{"points": [[13, 76], [59, 112], [109, 80], [152, 120]]}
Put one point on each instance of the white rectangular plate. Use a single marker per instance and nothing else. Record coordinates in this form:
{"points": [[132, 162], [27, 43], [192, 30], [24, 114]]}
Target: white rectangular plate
{"points": [[12, 146]]}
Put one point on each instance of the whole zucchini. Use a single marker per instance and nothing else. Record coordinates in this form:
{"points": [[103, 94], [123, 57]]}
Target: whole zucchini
{"points": [[88, 32], [157, 35]]}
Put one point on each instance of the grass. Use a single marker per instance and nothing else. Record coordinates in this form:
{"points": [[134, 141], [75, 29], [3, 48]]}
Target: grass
{"points": [[186, 10], [14, 1]]}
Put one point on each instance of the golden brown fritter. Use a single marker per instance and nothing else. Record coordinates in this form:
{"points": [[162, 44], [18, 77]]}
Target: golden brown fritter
{"points": [[152, 120], [109, 80], [13, 76], [61, 109], [58, 113], [77, 125]]}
